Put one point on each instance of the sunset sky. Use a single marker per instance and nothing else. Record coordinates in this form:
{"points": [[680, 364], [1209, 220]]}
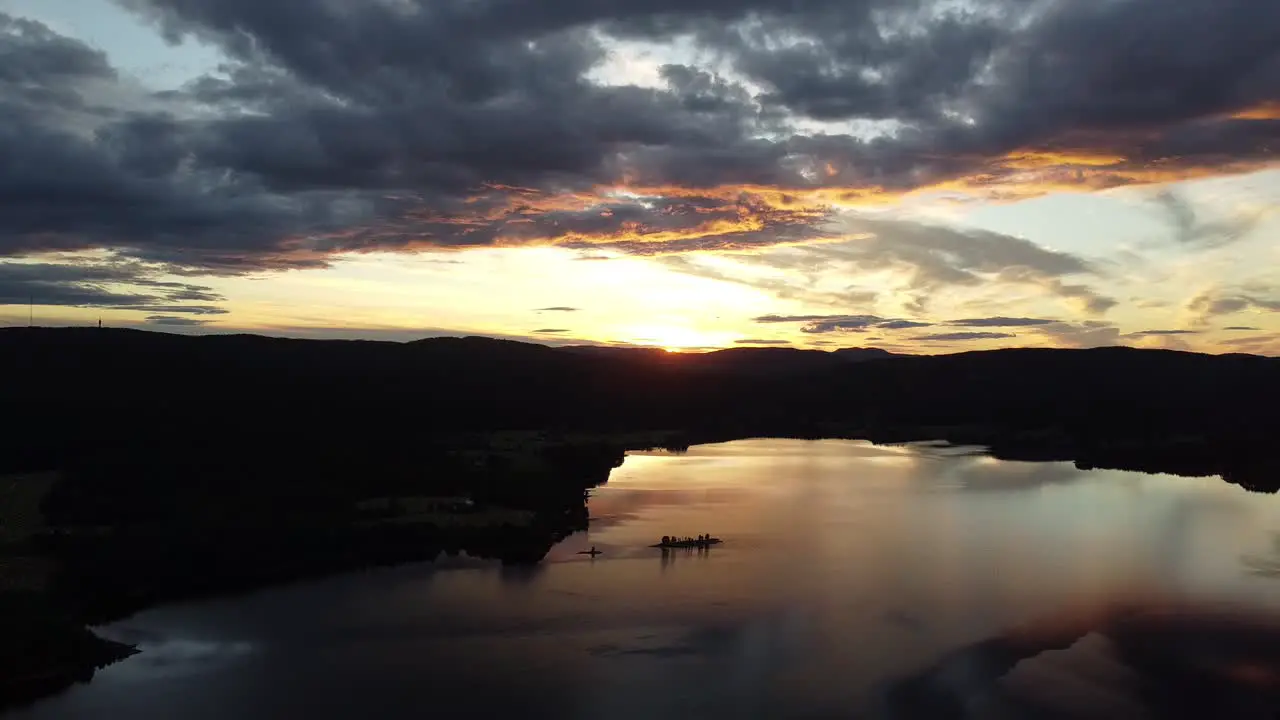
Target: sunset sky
{"points": [[914, 175]]}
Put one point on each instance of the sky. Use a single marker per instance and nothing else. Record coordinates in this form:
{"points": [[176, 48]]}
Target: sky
{"points": [[923, 176]]}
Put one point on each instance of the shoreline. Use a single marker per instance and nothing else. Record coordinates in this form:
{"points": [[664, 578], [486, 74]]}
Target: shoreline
{"points": [[302, 553]]}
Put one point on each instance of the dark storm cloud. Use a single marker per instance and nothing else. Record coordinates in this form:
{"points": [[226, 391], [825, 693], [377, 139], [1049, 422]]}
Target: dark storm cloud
{"points": [[1126, 78], [59, 191], [956, 336], [304, 175], [1132, 65], [100, 285], [73, 176], [356, 127], [42, 70]]}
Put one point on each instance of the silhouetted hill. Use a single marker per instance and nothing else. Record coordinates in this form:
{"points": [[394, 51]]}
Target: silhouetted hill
{"points": [[743, 360], [76, 392], [863, 354]]}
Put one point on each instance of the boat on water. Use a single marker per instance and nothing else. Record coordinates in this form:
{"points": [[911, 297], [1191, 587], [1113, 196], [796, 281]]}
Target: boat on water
{"points": [[592, 552], [698, 542]]}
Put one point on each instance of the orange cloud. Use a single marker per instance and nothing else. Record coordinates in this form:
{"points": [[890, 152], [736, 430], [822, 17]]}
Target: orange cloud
{"points": [[1265, 111], [1037, 160], [641, 218]]}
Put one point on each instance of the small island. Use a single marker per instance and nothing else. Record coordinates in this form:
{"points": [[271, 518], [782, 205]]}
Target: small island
{"points": [[701, 541]]}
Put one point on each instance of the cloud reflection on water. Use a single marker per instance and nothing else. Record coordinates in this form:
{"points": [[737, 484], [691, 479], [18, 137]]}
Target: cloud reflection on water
{"points": [[847, 571]]}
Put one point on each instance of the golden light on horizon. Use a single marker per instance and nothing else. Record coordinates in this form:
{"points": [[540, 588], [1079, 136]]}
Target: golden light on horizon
{"points": [[674, 338]]}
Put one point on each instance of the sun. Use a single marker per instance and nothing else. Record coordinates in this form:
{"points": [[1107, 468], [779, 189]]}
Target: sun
{"points": [[673, 338]]}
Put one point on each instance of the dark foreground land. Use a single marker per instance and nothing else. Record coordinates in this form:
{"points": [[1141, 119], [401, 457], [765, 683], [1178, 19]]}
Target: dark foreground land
{"points": [[139, 468]]}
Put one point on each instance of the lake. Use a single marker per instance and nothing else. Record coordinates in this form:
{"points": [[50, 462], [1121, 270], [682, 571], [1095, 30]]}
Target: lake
{"points": [[845, 568]]}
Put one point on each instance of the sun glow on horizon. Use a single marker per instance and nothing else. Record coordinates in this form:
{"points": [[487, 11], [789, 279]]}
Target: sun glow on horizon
{"points": [[675, 338]]}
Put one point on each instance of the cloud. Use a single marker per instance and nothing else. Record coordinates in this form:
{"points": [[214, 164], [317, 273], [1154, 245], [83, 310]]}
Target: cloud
{"points": [[845, 324], [400, 334], [1087, 334], [1212, 303], [1086, 298], [923, 259], [1189, 229], [864, 319], [1083, 297], [1001, 322], [1158, 333], [956, 336], [1241, 327], [170, 320], [44, 69], [902, 325], [187, 309], [399, 126], [933, 257], [102, 284], [782, 288], [819, 324], [80, 175], [1257, 344], [940, 255], [550, 331], [558, 308], [754, 341]]}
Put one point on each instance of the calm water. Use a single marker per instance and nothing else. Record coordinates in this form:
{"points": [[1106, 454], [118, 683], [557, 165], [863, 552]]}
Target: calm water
{"points": [[844, 567]]}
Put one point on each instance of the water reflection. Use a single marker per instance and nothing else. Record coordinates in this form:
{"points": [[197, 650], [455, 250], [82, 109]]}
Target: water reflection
{"points": [[1263, 565], [165, 656], [1150, 659], [669, 556], [854, 581]]}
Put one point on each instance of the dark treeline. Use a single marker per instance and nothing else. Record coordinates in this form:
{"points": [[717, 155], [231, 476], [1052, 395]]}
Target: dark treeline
{"points": [[88, 395], [128, 531]]}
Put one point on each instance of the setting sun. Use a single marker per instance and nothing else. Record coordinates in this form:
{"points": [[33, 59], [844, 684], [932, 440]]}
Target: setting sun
{"points": [[674, 338]]}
